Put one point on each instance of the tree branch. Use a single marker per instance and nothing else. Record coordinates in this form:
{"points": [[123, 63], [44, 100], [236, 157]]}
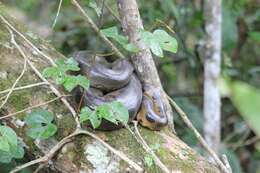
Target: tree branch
{"points": [[143, 60]]}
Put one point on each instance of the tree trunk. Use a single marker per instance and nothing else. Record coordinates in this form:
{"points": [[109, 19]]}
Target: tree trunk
{"points": [[212, 62], [82, 154], [143, 60]]}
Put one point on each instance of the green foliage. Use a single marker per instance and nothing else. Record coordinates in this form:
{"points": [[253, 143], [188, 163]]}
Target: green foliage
{"points": [[59, 75], [112, 32], [92, 116], [246, 99], [114, 112], [255, 36], [229, 30], [40, 124], [7, 138], [10, 147], [158, 41]]}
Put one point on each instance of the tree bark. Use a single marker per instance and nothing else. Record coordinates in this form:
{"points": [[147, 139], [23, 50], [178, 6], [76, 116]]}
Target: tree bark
{"points": [[143, 60], [212, 105], [82, 154]]}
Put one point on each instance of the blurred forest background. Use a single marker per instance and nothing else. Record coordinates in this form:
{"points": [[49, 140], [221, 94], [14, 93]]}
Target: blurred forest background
{"points": [[181, 73]]}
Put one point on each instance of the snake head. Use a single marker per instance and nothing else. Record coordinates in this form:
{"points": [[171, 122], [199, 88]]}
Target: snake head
{"points": [[152, 114]]}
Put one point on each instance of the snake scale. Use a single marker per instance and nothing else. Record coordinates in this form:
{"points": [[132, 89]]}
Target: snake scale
{"points": [[116, 81]]}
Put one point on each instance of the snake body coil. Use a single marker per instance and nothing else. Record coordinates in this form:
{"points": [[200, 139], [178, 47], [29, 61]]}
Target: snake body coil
{"points": [[117, 82]]}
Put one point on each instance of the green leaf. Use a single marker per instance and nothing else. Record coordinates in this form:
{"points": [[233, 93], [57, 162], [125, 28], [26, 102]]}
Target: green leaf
{"points": [[246, 99], [92, 116], [56, 73], [120, 112], [156, 48], [50, 72], [5, 157], [147, 37], [72, 81], [105, 112], [82, 81], [158, 41], [151, 42], [112, 32], [68, 64], [71, 64], [84, 114], [166, 41], [40, 126], [39, 131], [95, 120], [39, 116], [113, 112], [4, 145], [9, 134], [17, 152]]}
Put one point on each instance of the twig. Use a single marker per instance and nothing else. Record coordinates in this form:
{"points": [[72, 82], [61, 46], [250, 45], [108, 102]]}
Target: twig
{"points": [[150, 151], [243, 143], [225, 161], [27, 41], [40, 167], [18, 79], [67, 139], [54, 90], [95, 28], [111, 12], [47, 156], [31, 107], [186, 120], [57, 14], [24, 87]]}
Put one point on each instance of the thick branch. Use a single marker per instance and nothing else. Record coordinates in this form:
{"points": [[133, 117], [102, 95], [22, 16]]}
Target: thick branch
{"points": [[211, 73], [142, 61]]}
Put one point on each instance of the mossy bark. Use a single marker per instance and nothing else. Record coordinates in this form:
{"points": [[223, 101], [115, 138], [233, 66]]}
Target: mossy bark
{"points": [[83, 153]]}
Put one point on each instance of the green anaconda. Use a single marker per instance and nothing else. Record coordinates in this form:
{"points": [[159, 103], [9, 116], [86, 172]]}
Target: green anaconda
{"points": [[117, 81]]}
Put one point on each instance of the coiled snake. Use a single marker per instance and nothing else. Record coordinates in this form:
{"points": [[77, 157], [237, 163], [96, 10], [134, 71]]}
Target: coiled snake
{"points": [[117, 81]]}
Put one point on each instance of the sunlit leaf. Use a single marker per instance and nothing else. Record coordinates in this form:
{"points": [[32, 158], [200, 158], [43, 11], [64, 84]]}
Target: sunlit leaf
{"points": [[166, 41], [158, 41], [105, 112], [112, 32], [72, 81], [247, 100], [92, 116]]}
